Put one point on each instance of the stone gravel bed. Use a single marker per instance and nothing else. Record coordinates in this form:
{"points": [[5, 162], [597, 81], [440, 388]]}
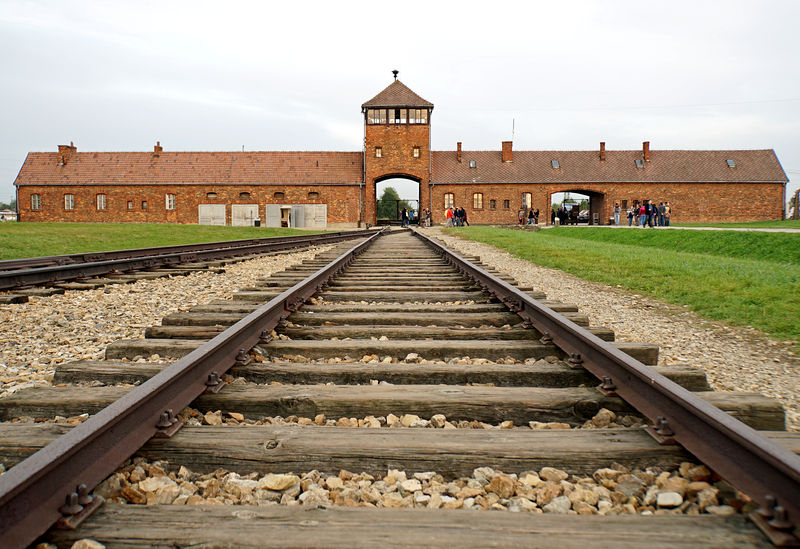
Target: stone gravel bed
{"points": [[690, 489], [734, 358], [77, 325]]}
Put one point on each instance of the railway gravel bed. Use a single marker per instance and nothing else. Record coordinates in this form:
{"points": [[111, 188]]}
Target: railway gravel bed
{"points": [[735, 358], [37, 336]]}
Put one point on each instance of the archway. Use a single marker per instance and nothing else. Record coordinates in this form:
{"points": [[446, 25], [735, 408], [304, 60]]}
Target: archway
{"points": [[389, 205], [582, 200]]}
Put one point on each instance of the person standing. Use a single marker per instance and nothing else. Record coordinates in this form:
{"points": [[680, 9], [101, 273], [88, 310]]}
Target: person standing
{"points": [[616, 213], [630, 216], [667, 213], [642, 216], [661, 211], [530, 217], [449, 215], [536, 216], [404, 218]]}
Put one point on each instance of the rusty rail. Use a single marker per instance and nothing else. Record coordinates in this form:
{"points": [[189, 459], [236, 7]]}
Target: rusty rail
{"points": [[23, 272], [764, 470], [53, 484]]}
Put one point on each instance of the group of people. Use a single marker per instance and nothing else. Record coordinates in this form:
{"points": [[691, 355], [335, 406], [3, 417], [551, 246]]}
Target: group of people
{"points": [[456, 217], [564, 215], [532, 217], [646, 214]]}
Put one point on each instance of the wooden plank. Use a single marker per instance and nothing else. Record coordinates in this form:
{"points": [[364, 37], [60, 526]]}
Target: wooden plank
{"points": [[407, 318], [501, 375], [488, 404], [451, 453], [169, 526], [402, 296], [10, 299]]}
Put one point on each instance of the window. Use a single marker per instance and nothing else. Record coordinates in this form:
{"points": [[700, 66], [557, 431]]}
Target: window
{"points": [[378, 152], [36, 202], [624, 205], [730, 163], [211, 195], [244, 196], [449, 200], [473, 164], [477, 201], [639, 163], [278, 195], [69, 201], [493, 204], [417, 116], [376, 116], [130, 204], [144, 204], [526, 200], [555, 164], [313, 195], [170, 201], [101, 202], [506, 204], [415, 152]]}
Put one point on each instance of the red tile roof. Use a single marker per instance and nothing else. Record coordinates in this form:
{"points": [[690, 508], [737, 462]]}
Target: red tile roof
{"points": [[171, 168], [397, 94], [619, 166]]}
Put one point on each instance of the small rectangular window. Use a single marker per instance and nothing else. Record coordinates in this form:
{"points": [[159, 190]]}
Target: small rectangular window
{"points": [[730, 163], [449, 200], [477, 201], [416, 152], [555, 164], [492, 204], [170, 201], [403, 115], [36, 202], [313, 195], [211, 195], [69, 201], [101, 202], [130, 204], [639, 163], [506, 204], [144, 204], [278, 195], [242, 196], [473, 164], [378, 152]]}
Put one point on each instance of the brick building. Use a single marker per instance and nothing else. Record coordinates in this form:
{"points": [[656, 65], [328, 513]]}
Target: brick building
{"points": [[337, 189]]}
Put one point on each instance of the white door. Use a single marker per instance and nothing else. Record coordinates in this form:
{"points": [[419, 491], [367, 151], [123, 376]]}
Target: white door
{"points": [[272, 215], [320, 216], [243, 215], [308, 215], [298, 216], [211, 214]]}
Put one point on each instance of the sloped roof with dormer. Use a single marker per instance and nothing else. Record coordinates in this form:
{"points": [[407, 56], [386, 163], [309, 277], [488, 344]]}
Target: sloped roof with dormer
{"points": [[396, 94], [187, 168], [667, 166]]}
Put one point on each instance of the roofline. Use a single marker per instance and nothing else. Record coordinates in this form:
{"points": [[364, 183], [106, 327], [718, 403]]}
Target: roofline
{"points": [[183, 183], [594, 181]]}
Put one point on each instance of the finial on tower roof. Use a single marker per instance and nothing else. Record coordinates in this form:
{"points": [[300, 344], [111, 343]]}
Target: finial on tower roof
{"points": [[394, 72]]}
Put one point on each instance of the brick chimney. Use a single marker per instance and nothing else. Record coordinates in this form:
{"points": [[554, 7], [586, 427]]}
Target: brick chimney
{"points": [[458, 151], [646, 150], [65, 152], [157, 148], [602, 151], [507, 154]]}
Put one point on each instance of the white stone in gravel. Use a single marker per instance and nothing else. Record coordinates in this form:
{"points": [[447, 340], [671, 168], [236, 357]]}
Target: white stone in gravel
{"points": [[721, 510], [152, 484], [669, 499], [411, 485], [559, 505], [271, 481], [87, 544]]}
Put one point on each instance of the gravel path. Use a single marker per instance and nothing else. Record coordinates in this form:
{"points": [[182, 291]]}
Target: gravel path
{"points": [[46, 331], [734, 358]]}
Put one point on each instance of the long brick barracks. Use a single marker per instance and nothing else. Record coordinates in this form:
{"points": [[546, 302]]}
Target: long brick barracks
{"points": [[337, 189]]}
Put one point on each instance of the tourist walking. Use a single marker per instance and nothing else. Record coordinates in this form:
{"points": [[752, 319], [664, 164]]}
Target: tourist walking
{"points": [[616, 213], [404, 218], [530, 217], [448, 213]]}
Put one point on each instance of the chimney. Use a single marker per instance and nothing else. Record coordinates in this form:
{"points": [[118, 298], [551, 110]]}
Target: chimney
{"points": [[65, 152], [157, 148], [602, 151], [507, 155], [458, 151], [646, 150]]}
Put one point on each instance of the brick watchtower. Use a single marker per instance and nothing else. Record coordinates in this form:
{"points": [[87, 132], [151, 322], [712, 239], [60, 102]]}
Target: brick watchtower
{"points": [[397, 142]]}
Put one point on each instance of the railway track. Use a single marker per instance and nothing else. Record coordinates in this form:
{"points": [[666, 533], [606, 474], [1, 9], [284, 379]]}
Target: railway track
{"points": [[95, 269], [401, 333]]}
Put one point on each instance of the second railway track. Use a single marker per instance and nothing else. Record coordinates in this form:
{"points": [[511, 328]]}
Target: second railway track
{"points": [[403, 337]]}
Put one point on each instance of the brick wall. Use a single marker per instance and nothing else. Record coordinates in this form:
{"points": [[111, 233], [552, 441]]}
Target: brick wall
{"points": [[342, 201], [397, 142]]}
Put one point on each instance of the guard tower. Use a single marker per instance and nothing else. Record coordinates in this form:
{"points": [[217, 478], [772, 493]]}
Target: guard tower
{"points": [[397, 142]]}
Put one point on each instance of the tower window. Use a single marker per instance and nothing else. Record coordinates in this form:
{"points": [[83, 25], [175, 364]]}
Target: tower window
{"points": [[415, 152], [378, 152]]}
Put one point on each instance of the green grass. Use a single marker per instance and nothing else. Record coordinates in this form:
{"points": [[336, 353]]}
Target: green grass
{"points": [[776, 247], [19, 240], [777, 224], [762, 293]]}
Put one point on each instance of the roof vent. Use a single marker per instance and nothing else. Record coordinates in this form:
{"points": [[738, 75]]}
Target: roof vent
{"points": [[639, 163], [730, 163], [473, 164], [555, 164]]}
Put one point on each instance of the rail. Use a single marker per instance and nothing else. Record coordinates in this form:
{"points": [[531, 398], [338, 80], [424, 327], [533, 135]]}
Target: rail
{"points": [[764, 470], [15, 273], [54, 483]]}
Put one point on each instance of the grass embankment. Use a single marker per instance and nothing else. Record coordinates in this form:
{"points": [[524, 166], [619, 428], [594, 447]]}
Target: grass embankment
{"points": [[777, 224], [738, 278], [19, 240]]}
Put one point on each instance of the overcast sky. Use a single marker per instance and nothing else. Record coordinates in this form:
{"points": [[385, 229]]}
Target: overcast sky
{"points": [[118, 76]]}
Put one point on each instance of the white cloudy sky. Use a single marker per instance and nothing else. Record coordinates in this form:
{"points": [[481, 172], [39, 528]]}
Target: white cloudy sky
{"points": [[198, 75]]}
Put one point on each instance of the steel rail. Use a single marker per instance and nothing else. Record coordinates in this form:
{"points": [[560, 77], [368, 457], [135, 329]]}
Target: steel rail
{"points": [[86, 257], [58, 273], [32, 491], [759, 467]]}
